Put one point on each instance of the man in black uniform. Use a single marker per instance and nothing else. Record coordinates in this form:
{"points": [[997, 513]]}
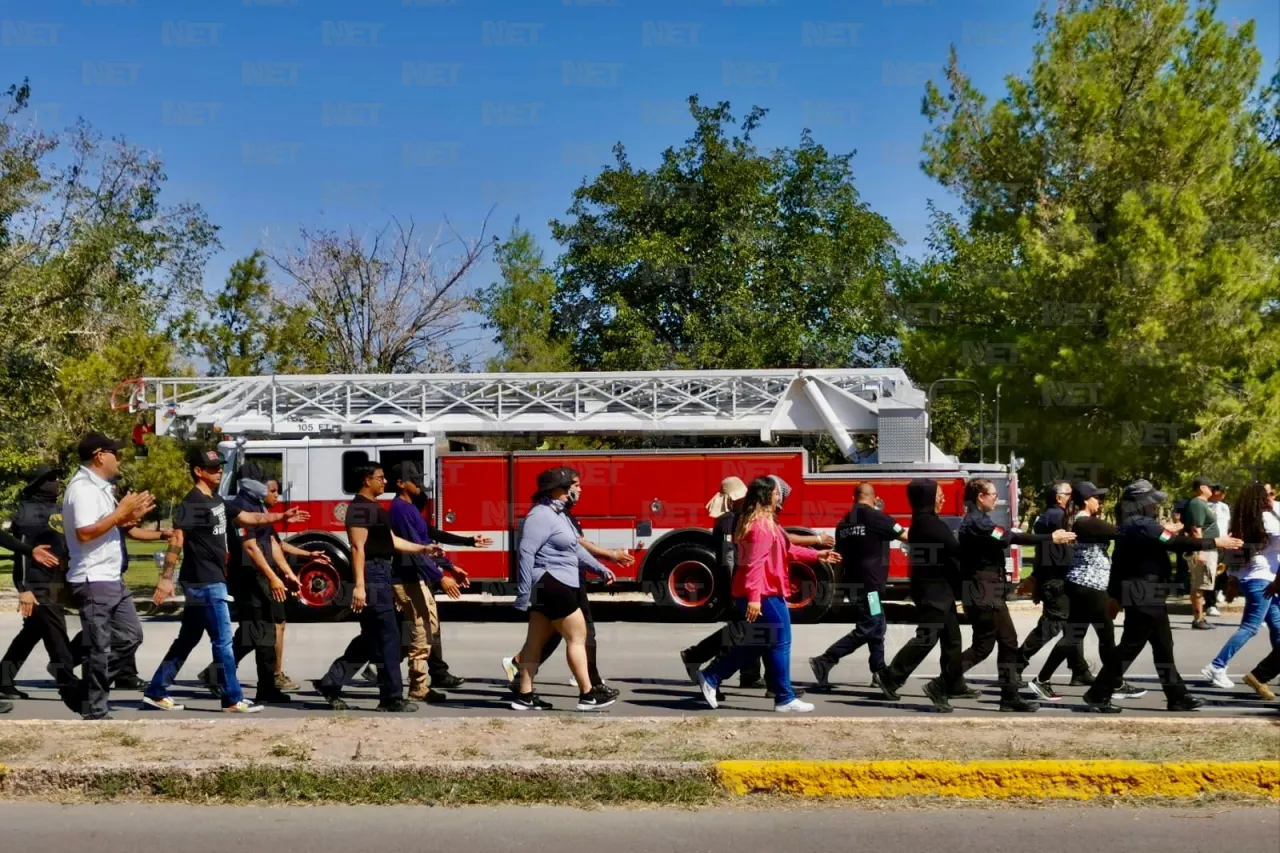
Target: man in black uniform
{"points": [[38, 547], [862, 539], [1141, 580], [934, 557], [983, 545], [1053, 561]]}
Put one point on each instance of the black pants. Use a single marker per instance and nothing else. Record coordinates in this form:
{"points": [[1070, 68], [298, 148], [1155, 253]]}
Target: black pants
{"points": [[1269, 667], [868, 630], [937, 624], [48, 625], [1145, 624], [549, 648], [1055, 615], [720, 644], [993, 629], [379, 639], [1088, 609], [256, 632]]}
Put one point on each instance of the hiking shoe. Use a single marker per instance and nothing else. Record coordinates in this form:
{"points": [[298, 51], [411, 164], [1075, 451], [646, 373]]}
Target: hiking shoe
{"points": [[596, 700], [510, 669], [795, 706], [1017, 704], [889, 689], [1217, 676], [284, 682], [938, 697], [821, 669], [397, 706], [431, 697], [448, 681], [272, 697], [1128, 691], [1264, 692], [244, 706], [1202, 625], [12, 693], [529, 702], [1083, 680], [967, 693], [1186, 703], [1044, 690], [333, 697], [164, 703], [1103, 707], [709, 692], [690, 668]]}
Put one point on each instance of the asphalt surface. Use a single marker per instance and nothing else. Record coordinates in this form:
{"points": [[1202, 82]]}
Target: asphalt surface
{"points": [[642, 660], [125, 828]]}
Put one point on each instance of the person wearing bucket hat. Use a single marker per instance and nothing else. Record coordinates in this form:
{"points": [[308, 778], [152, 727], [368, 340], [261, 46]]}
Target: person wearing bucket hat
{"points": [[1142, 580]]}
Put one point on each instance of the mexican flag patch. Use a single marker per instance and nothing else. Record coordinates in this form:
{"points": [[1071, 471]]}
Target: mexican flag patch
{"points": [[1165, 536], [244, 533], [997, 532], [897, 528]]}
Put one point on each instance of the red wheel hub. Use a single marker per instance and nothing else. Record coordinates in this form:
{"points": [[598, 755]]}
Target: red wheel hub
{"points": [[319, 585], [803, 583], [691, 584]]}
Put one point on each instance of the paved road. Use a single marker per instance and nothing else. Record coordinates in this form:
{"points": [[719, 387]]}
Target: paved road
{"points": [[641, 659], [406, 829]]}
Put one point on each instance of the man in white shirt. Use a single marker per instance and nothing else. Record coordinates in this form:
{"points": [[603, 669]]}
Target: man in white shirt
{"points": [[1218, 503], [93, 523]]}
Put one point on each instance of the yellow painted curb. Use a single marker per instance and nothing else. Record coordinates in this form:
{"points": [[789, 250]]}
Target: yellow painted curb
{"points": [[1063, 780]]}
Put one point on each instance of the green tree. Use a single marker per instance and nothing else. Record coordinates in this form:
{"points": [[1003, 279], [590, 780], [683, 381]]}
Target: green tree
{"points": [[519, 310], [163, 472], [1115, 265], [724, 256], [245, 330]]}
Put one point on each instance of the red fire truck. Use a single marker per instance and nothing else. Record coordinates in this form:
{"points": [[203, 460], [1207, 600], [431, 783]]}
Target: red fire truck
{"points": [[314, 432]]}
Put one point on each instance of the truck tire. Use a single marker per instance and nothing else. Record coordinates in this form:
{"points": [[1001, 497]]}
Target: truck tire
{"points": [[325, 593], [813, 590], [691, 580]]}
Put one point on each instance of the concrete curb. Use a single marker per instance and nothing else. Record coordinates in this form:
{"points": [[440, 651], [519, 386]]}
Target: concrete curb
{"points": [[862, 780], [1000, 780]]}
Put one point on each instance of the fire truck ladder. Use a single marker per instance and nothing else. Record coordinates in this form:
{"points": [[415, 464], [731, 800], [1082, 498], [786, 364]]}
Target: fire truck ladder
{"points": [[704, 402]]}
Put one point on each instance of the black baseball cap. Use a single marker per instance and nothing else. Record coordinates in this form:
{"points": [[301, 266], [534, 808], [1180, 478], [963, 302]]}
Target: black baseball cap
{"points": [[95, 441], [1218, 487], [1200, 481], [406, 472], [1141, 491], [208, 459], [1085, 490]]}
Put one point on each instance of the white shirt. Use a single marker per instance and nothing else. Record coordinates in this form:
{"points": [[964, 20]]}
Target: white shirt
{"points": [[1263, 565], [1223, 511], [87, 500]]}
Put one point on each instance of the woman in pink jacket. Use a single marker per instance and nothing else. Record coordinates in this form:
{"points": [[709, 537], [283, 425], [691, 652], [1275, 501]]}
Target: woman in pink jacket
{"points": [[760, 588]]}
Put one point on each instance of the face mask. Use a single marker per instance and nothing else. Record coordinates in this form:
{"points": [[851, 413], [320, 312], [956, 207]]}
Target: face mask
{"points": [[571, 498]]}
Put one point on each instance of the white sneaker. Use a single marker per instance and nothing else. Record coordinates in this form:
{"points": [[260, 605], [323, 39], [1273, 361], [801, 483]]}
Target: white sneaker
{"points": [[1222, 597], [1217, 676], [1213, 611], [243, 707], [795, 706], [510, 668], [708, 692], [165, 704]]}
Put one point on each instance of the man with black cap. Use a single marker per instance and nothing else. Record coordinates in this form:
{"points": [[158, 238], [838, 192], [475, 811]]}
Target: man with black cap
{"points": [[1049, 578], [200, 536], [934, 558], [1141, 580], [1201, 522], [93, 522], [862, 540], [38, 548]]}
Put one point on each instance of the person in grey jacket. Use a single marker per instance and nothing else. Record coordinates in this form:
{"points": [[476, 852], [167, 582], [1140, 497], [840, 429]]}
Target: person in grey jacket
{"points": [[550, 560]]}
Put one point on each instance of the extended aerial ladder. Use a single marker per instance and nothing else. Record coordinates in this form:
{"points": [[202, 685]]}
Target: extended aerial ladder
{"points": [[840, 402]]}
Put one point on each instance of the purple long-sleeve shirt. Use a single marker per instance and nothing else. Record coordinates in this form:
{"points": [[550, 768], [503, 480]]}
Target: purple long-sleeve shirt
{"points": [[409, 524]]}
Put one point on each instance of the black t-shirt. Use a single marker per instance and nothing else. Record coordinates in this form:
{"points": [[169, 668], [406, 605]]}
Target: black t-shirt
{"points": [[862, 539], [203, 520], [722, 530], [238, 562], [373, 516]]}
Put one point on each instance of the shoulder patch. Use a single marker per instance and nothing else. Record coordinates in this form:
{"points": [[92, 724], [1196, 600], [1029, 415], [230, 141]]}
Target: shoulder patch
{"points": [[997, 532]]}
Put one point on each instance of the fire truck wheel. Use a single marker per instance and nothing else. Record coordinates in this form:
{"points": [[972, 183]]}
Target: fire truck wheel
{"points": [[323, 594], [812, 591], [691, 580]]}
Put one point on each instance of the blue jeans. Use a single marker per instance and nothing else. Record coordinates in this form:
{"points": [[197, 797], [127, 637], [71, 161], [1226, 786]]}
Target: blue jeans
{"points": [[205, 611], [770, 637], [1257, 608]]}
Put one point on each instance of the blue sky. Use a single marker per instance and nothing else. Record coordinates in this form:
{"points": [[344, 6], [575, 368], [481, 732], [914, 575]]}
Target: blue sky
{"points": [[332, 113]]}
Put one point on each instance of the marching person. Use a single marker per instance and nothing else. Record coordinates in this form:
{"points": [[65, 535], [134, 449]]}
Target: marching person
{"points": [[760, 588], [983, 545], [1253, 570], [38, 549], [1141, 581], [1222, 511], [551, 565], [373, 547], [200, 535], [862, 540], [1052, 563], [92, 520], [1201, 522], [933, 555]]}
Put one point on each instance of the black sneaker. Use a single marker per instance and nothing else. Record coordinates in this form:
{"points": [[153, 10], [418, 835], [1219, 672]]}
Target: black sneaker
{"points": [[607, 691], [1017, 704], [5, 706], [448, 681], [1202, 625], [967, 693], [938, 697], [132, 682], [1044, 690], [1186, 703], [821, 669], [690, 668], [594, 701], [333, 697], [1084, 680], [1103, 707], [529, 702], [799, 691], [1128, 691], [875, 680], [87, 718], [12, 693], [272, 697], [397, 706], [889, 689], [205, 677]]}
